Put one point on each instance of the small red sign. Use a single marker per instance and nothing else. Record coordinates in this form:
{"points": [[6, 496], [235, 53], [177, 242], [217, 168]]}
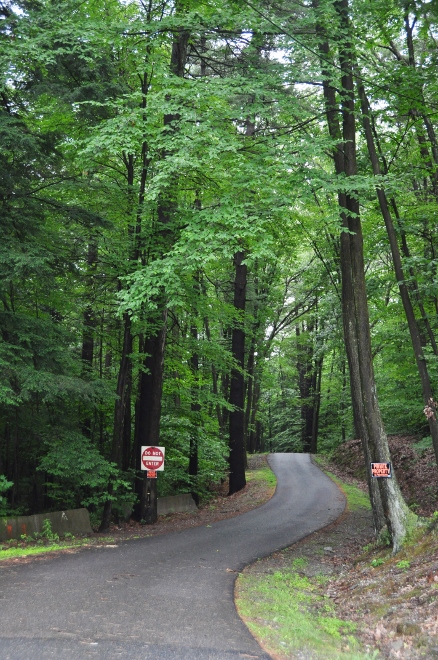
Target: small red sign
{"points": [[152, 458], [152, 474], [381, 470]]}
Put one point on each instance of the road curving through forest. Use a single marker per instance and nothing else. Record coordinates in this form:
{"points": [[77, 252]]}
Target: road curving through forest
{"points": [[167, 597]]}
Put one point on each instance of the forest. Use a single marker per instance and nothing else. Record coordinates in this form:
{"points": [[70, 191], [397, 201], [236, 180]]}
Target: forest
{"points": [[218, 235]]}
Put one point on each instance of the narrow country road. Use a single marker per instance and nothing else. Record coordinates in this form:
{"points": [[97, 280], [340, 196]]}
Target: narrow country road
{"points": [[164, 598]]}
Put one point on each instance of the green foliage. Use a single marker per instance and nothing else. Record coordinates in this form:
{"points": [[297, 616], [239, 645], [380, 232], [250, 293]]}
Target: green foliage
{"points": [[79, 474], [47, 532], [176, 433], [4, 486]]}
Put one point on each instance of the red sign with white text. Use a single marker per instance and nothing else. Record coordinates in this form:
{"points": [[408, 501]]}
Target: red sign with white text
{"points": [[380, 470], [152, 458]]}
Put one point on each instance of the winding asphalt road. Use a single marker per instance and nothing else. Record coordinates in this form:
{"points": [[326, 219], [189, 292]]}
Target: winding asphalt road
{"points": [[163, 598]]}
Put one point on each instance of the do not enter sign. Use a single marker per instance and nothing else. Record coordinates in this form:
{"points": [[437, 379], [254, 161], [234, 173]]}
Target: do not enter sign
{"points": [[152, 458]]}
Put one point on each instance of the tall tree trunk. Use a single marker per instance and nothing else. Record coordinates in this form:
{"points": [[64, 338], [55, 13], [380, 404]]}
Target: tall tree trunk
{"points": [[250, 391], [306, 385], [354, 296], [151, 387], [355, 304], [122, 401], [348, 311], [148, 415], [214, 382], [332, 114], [254, 425], [316, 405], [89, 326], [195, 408], [237, 384], [398, 269]]}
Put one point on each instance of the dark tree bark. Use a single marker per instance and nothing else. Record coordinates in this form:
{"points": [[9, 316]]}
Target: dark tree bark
{"points": [[149, 413], [195, 407], [398, 269], [89, 326], [333, 123], [122, 401], [355, 305], [237, 458], [151, 386], [354, 296]]}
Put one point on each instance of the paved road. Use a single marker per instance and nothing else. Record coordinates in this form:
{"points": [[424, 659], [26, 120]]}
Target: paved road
{"points": [[163, 598]]}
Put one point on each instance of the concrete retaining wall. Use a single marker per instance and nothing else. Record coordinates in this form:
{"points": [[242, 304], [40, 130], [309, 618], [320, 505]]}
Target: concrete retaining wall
{"points": [[176, 504], [75, 521]]}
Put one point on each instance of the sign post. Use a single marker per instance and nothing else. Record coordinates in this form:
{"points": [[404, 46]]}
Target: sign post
{"points": [[152, 461]]}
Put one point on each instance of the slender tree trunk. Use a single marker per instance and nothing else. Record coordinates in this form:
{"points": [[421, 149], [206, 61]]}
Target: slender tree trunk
{"points": [[398, 269], [354, 296], [254, 433], [214, 382], [355, 305], [122, 400], [332, 114], [316, 405], [195, 407], [418, 300], [237, 383], [306, 386], [149, 412], [250, 391], [89, 326]]}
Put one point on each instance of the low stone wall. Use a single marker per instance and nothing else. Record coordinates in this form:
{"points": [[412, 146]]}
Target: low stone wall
{"points": [[75, 521], [175, 504]]}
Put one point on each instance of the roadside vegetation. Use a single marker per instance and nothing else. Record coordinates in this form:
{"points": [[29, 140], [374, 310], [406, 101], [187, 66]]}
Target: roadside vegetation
{"points": [[339, 593], [216, 506]]}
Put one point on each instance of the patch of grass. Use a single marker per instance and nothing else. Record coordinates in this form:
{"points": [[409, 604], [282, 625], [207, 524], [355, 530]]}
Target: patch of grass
{"points": [[299, 563], [14, 549], [356, 498], [12, 553], [286, 612], [263, 474]]}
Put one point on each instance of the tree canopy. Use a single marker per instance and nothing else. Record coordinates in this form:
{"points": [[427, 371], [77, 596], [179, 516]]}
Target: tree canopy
{"points": [[218, 232]]}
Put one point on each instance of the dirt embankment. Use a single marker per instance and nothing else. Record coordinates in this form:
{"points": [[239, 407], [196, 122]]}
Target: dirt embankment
{"points": [[415, 468]]}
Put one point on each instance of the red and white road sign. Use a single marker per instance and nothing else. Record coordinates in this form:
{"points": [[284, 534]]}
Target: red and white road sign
{"points": [[152, 458]]}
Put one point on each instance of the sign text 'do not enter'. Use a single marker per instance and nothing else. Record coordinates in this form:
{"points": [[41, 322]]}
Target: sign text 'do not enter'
{"points": [[152, 458]]}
